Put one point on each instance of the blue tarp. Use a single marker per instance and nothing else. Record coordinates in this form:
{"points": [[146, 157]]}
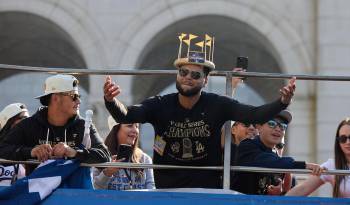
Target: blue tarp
{"points": [[80, 196]]}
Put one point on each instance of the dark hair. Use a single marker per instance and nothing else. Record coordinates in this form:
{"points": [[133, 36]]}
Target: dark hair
{"points": [[45, 100], [339, 159], [112, 143], [234, 139], [8, 125]]}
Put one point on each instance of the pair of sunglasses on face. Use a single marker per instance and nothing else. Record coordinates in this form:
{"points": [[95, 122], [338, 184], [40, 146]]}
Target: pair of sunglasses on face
{"points": [[74, 96], [247, 124], [273, 124], [343, 139], [195, 75]]}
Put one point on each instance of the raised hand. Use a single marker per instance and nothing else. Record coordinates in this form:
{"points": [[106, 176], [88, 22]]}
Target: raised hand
{"points": [[110, 89], [287, 92]]}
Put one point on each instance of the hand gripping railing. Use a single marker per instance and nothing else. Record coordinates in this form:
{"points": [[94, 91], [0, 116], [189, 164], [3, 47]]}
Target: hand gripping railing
{"points": [[227, 74]]}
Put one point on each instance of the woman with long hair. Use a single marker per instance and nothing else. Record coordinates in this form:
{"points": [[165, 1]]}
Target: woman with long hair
{"points": [[341, 184], [10, 116], [124, 135]]}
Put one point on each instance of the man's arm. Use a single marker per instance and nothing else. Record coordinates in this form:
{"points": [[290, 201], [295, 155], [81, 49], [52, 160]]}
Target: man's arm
{"points": [[307, 187], [260, 114], [13, 147], [137, 113], [98, 153], [251, 114], [132, 114], [249, 154]]}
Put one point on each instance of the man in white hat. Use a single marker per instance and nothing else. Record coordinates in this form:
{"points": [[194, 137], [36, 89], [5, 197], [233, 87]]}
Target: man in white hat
{"points": [[188, 124], [56, 130]]}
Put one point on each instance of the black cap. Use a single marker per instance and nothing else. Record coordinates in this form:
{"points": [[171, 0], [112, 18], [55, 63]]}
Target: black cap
{"points": [[285, 115]]}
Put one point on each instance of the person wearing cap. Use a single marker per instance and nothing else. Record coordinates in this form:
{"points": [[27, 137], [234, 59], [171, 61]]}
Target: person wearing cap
{"points": [[10, 116], [188, 123], [259, 152], [55, 130]]}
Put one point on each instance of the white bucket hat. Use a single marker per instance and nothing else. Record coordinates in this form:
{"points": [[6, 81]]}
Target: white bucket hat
{"points": [[10, 111], [59, 84]]}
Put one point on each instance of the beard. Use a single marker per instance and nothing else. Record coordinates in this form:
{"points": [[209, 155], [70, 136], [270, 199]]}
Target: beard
{"points": [[188, 93]]}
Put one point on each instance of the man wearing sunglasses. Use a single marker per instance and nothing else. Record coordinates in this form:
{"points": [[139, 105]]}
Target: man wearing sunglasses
{"points": [[188, 123], [56, 130], [260, 152]]}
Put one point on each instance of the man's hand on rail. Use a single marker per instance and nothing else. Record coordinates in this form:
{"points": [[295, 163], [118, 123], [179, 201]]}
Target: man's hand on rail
{"points": [[287, 92], [110, 89], [42, 152], [315, 168], [62, 150]]}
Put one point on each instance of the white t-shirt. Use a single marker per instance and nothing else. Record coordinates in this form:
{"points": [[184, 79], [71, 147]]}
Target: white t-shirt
{"points": [[344, 185], [7, 172]]}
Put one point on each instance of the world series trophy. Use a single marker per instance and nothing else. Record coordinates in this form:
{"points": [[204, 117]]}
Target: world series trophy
{"points": [[203, 57]]}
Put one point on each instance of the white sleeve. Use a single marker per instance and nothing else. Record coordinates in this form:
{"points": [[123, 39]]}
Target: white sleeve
{"points": [[329, 164], [100, 179], [149, 181]]}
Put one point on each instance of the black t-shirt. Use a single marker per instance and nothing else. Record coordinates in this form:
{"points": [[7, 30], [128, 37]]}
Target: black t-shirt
{"points": [[190, 137]]}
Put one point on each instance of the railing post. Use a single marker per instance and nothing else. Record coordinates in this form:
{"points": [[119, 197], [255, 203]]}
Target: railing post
{"points": [[227, 150]]}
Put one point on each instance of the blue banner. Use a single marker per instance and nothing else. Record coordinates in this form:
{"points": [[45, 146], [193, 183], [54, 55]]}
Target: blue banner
{"points": [[44, 180]]}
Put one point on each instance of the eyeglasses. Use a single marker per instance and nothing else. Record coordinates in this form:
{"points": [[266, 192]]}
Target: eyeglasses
{"points": [[74, 96], [183, 72], [273, 124], [343, 139], [280, 145]]}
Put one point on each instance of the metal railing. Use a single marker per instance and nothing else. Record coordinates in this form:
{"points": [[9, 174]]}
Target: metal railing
{"points": [[74, 71], [215, 168]]}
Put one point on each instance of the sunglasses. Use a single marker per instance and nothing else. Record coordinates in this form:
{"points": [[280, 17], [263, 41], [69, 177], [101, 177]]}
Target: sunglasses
{"points": [[74, 96], [343, 139], [280, 145], [183, 72], [273, 124], [247, 124]]}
